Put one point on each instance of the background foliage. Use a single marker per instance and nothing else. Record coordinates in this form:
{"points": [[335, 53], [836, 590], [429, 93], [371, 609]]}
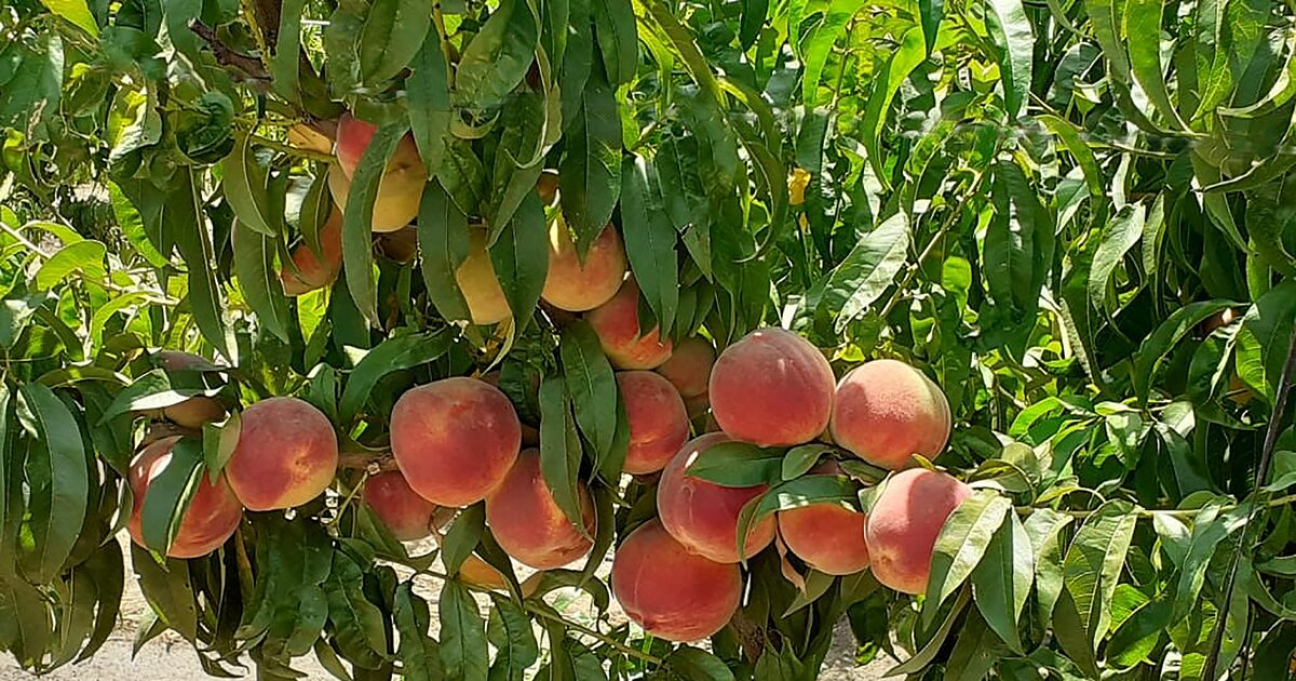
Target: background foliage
{"points": [[1047, 206]]}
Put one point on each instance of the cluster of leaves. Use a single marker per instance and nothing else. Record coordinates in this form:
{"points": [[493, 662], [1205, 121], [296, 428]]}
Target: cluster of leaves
{"points": [[970, 181]]}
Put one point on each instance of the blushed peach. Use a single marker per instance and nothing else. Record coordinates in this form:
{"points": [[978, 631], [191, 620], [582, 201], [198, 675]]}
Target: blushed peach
{"points": [[287, 454], [529, 525], [616, 323], [353, 138], [886, 411], [669, 591], [400, 191], [904, 524], [398, 506], [658, 421], [689, 367], [308, 271], [575, 285], [211, 518], [702, 515], [827, 536], [772, 388], [195, 412], [455, 439], [479, 285]]}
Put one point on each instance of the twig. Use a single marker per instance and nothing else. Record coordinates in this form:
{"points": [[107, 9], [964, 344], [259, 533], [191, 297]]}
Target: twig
{"points": [[374, 463], [251, 67]]}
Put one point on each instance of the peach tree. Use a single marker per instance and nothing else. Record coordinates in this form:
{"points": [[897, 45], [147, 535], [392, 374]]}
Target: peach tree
{"points": [[651, 339]]}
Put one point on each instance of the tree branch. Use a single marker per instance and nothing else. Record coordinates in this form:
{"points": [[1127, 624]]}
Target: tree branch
{"points": [[251, 67]]}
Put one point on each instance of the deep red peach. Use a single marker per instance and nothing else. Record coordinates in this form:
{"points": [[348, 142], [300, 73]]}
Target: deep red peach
{"points": [[529, 525], [658, 421], [287, 454], [616, 323], [772, 388], [398, 506], [886, 411], [212, 516]]}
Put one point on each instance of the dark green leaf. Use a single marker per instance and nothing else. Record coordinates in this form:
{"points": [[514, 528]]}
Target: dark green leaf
{"points": [[393, 354], [521, 258], [463, 634], [614, 24], [185, 218], [68, 476], [443, 243], [254, 266], [1003, 579], [1093, 565], [357, 218], [428, 90], [962, 543], [590, 171], [649, 242], [393, 33], [738, 464], [246, 190], [591, 384], [560, 449], [498, 57]]}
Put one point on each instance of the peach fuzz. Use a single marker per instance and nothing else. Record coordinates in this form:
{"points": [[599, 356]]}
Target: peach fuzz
{"points": [[455, 439], [772, 388], [616, 323], [529, 525], [828, 537], [885, 411], [903, 526], [479, 285], [287, 454], [689, 367], [702, 515], [578, 285], [195, 412], [670, 592], [213, 514], [308, 272], [658, 421], [398, 506]]}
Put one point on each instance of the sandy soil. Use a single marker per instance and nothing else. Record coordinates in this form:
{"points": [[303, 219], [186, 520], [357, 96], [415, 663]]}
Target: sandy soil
{"points": [[169, 658]]}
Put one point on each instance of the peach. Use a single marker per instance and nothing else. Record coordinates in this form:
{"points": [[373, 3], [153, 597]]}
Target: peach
{"points": [[658, 421], [455, 439], [702, 515], [903, 525], [828, 537], [578, 285], [885, 411], [399, 193], [287, 454], [308, 272], [212, 516], [689, 367], [547, 187], [772, 388], [195, 411], [616, 323], [174, 360], [529, 525], [479, 285], [353, 137], [404, 512], [670, 592]]}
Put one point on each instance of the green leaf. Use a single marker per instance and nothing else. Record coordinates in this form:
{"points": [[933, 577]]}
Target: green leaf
{"points": [[519, 159], [1018, 243], [1118, 237], [975, 651], [185, 219], [1136, 638], [754, 13], [1281, 92], [462, 538], [316, 209], [818, 44], [254, 267], [1084, 155], [32, 95], [1048, 544], [649, 242], [590, 171], [463, 634], [86, 257], [57, 530], [1093, 564], [930, 13], [509, 630], [393, 33], [911, 53], [591, 384], [498, 57], [799, 460], [738, 464], [246, 189], [1162, 341], [76, 12], [614, 28], [427, 89], [1263, 340], [521, 258], [134, 226], [695, 664], [560, 449], [285, 63], [168, 591], [867, 271], [393, 354], [1069, 628], [1210, 527], [419, 653], [928, 652], [443, 244], [357, 218], [359, 621], [1003, 579], [219, 442], [962, 543], [1010, 29], [169, 493], [1142, 23]]}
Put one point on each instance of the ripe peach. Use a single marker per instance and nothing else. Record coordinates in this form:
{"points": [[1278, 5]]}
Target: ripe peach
{"points": [[308, 272], [772, 388], [547, 187], [702, 515], [287, 454], [353, 137], [658, 421], [828, 537], [689, 367], [455, 439], [575, 285], [903, 525], [478, 283], [616, 323], [670, 592], [404, 512], [529, 525], [399, 193], [195, 411], [213, 514], [886, 411]]}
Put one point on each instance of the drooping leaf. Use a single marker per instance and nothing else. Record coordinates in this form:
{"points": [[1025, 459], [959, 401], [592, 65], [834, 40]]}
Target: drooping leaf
{"points": [[649, 242], [497, 58]]}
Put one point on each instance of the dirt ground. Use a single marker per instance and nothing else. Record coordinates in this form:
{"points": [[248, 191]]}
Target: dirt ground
{"points": [[169, 658]]}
